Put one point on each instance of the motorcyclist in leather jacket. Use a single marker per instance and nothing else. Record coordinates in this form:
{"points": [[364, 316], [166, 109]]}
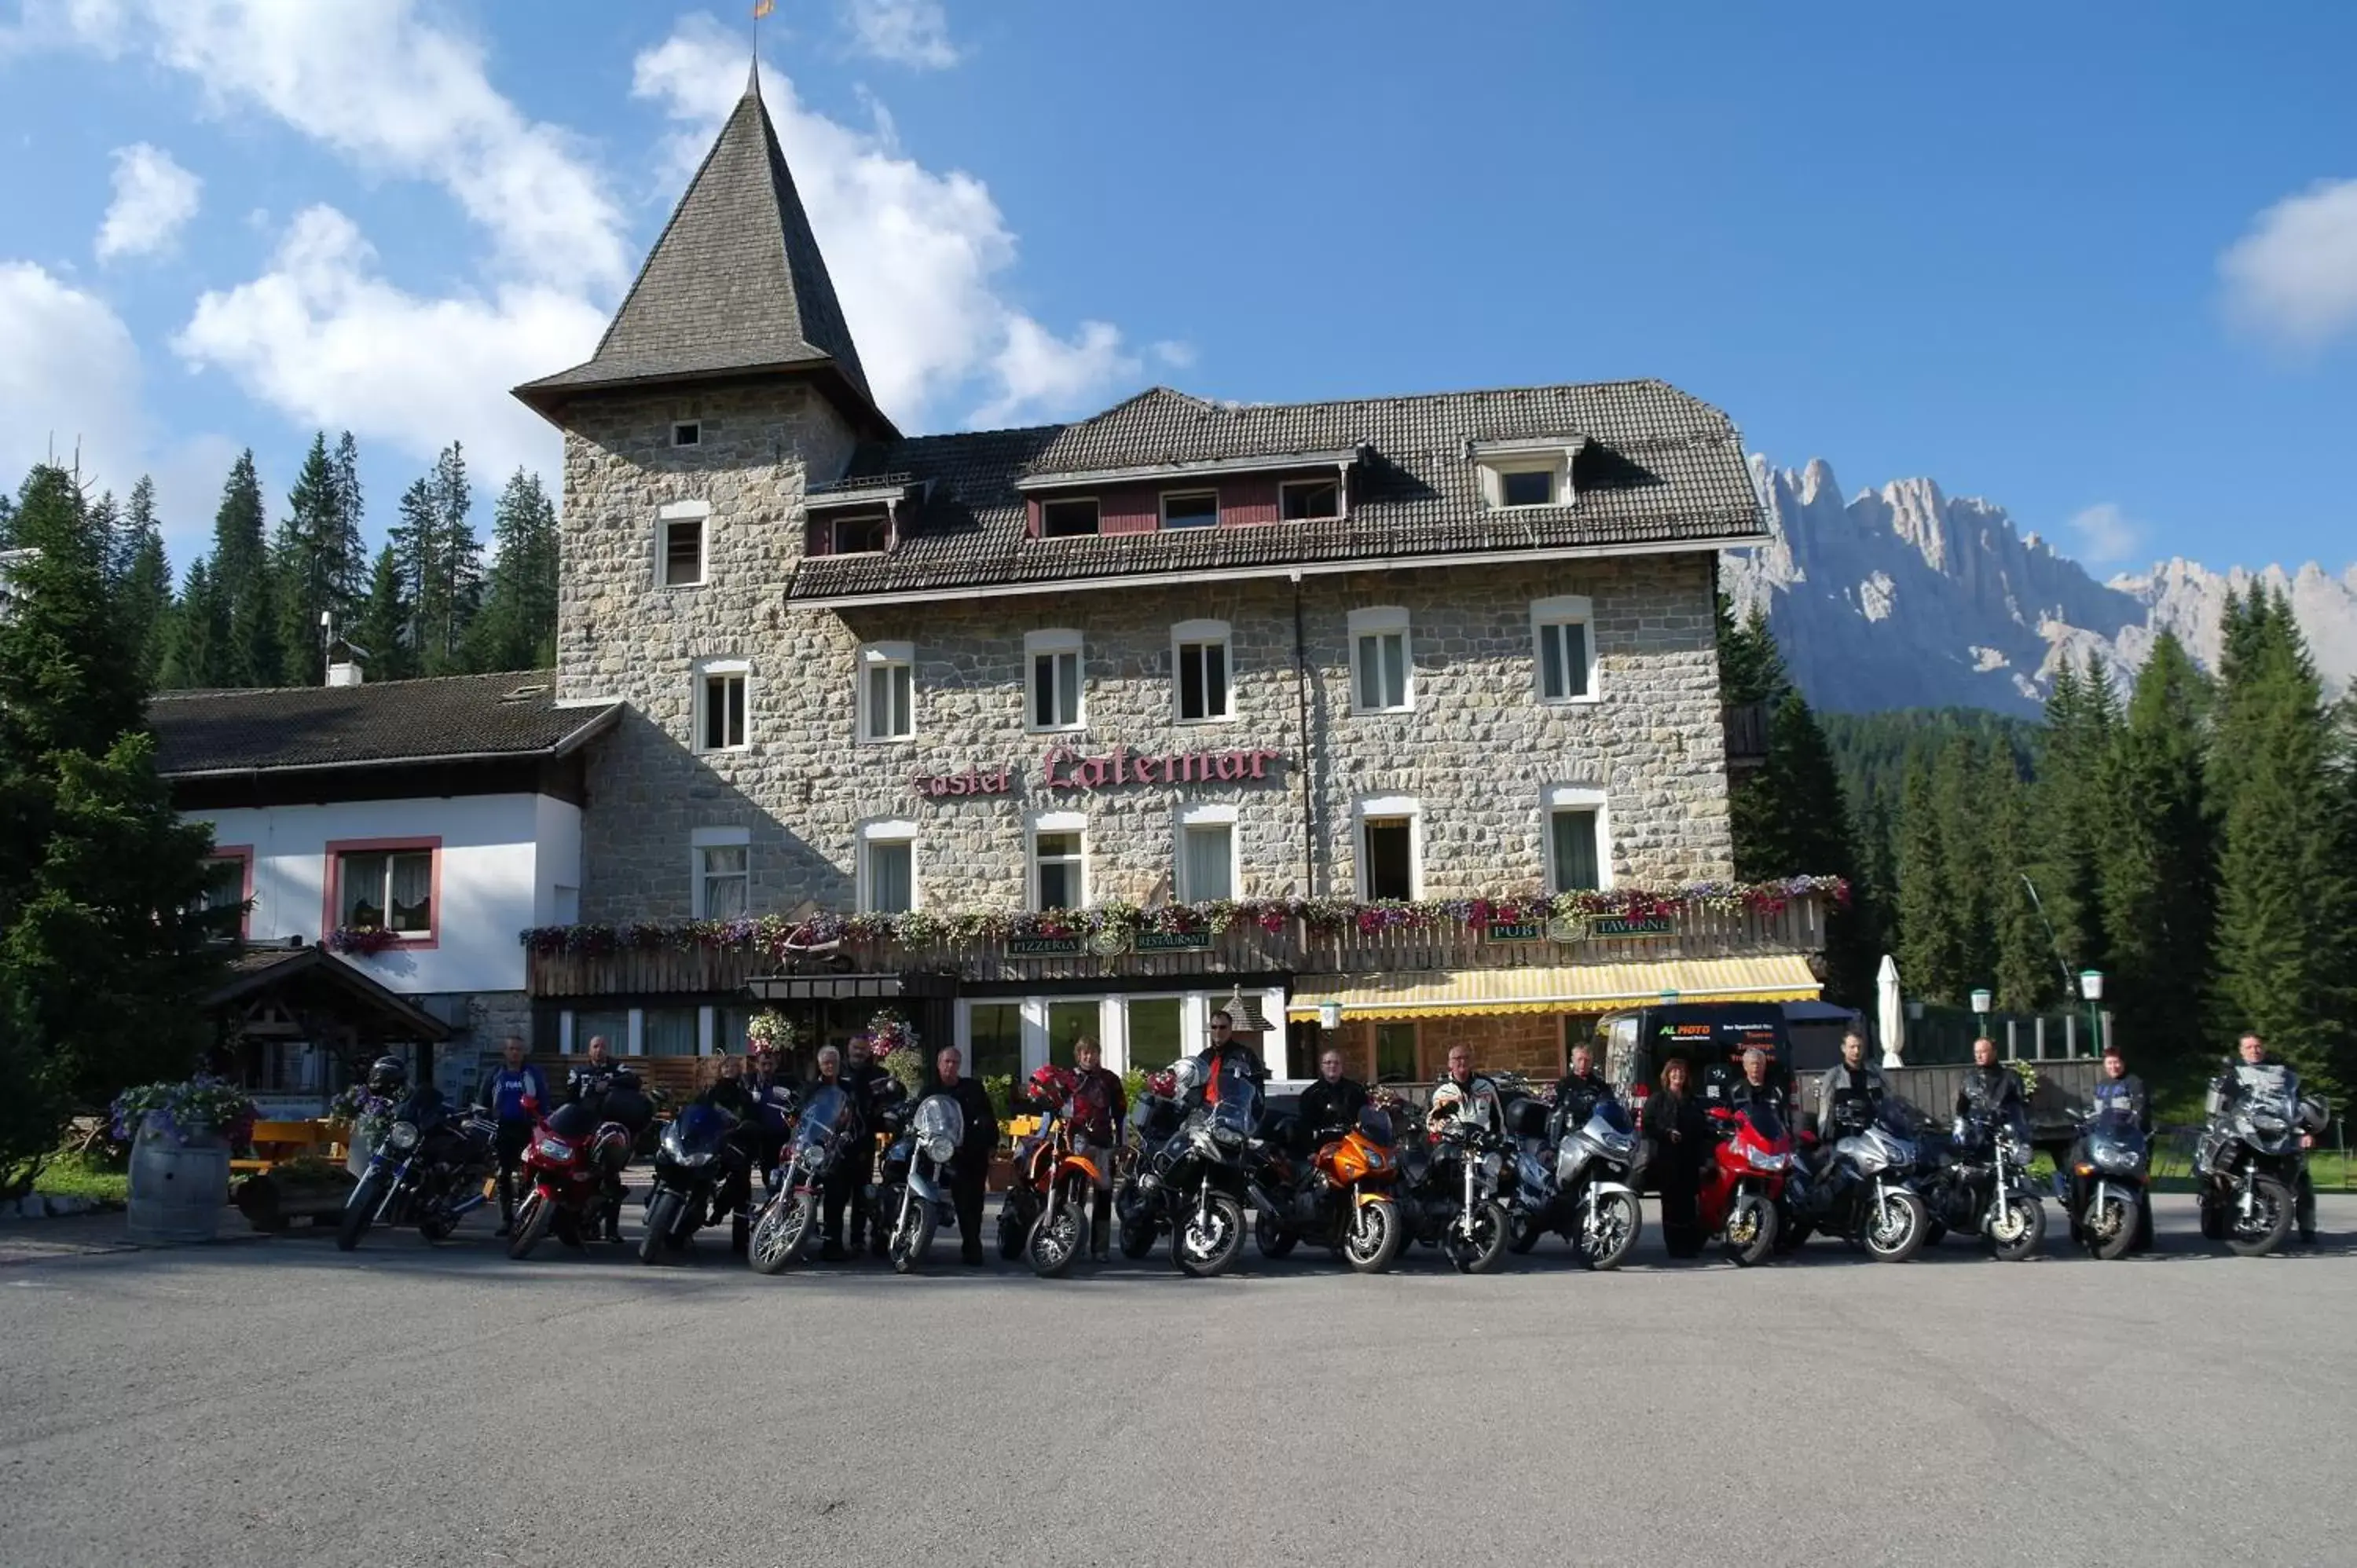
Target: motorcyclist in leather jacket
{"points": [[1850, 1092], [2258, 1074], [1464, 1096], [1577, 1094], [1330, 1106], [1224, 1049], [1989, 1086], [1755, 1087], [588, 1083], [2119, 1092], [872, 1090]]}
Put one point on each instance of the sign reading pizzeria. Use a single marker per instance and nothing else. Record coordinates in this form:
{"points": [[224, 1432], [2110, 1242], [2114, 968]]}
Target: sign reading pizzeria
{"points": [[1064, 769]]}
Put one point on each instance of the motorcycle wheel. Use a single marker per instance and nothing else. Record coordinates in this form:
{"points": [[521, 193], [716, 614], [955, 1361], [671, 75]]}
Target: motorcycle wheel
{"points": [[662, 1213], [777, 1236], [531, 1222], [1750, 1231], [1138, 1238], [1899, 1237], [1273, 1241], [2109, 1230], [1476, 1247], [1616, 1227], [2269, 1223], [1205, 1250], [359, 1212], [911, 1241], [1526, 1233], [2020, 1231], [1372, 1242], [1934, 1232], [437, 1229], [1012, 1233], [1055, 1239], [740, 1233]]}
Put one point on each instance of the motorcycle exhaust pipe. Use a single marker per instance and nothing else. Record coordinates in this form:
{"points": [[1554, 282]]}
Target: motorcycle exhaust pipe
{"points": [[1262, 1201], [468, 1205]]}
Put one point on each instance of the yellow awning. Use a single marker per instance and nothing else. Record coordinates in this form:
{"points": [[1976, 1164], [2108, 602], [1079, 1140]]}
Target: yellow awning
{"points": [[1557, 988]]}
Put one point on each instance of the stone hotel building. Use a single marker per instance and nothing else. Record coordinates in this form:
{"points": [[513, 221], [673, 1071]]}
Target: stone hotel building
{"points": [[1309, 657]]}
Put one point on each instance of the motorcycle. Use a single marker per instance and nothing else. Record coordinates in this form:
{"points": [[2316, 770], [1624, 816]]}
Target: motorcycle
{"points": [[1580, 1189], [1197, 1178], [574, 1163], [1036, 1157], [915, 1185], [1862, 1192], [1979, 1184], [426, 1160], [1742, 1188], [2102, 1188], [1452, 1195], [821, 1132], [2249, 1165], [703, 1164], [1154, 1120], [1340, 1198]]}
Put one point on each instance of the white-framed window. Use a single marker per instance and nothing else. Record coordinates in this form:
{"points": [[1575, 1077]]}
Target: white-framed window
{"points": [[1539, 475], [1300, 500], [888, 868], [683, 546], [1390, 847], [860, 533], [888, 691], [1201, 665], [1578, 838], [1562, 641], [722, 696], [1190, 509], [1068, 519], [1059, 861], [720, 873], [385, 885], [1206, 864], [1052, 663], [687, 432], [1382, 675]]}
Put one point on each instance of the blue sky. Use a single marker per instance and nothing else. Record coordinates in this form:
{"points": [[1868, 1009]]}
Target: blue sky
{"points": [[2097, 264]]}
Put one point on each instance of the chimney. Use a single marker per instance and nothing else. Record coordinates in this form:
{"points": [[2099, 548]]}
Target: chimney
{"points": [[344, 672], [344, 661]]}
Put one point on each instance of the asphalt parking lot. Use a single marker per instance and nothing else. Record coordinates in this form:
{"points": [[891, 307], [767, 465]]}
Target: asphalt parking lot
{"points": [[274, 1402]]}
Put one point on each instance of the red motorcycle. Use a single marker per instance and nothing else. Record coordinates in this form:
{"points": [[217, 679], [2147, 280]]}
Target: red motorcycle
{"points": [[1744, 1184], [574, 1166]]}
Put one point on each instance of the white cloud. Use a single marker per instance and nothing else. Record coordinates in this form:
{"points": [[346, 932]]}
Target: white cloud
{"points": [[2293, 278], [154, 198], [1177, 355], [914, 253], [2106, 534], [904, 32], [322, 336]]}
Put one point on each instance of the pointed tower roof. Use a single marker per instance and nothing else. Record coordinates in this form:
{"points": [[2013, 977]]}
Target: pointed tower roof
{"points": [[736, 287]]}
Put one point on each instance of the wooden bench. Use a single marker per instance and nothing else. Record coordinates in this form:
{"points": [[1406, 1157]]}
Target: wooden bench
{"points": [[274, 1142]]}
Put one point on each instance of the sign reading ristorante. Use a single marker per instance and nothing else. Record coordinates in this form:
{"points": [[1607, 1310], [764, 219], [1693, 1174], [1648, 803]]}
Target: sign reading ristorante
{"points": [[1064, 769]]}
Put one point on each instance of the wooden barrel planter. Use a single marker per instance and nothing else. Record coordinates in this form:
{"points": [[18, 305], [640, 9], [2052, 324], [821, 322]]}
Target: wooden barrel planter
{"points": [[177, 1186]]}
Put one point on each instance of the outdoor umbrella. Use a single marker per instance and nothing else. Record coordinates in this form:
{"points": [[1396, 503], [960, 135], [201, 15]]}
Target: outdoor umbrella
{"points": [[1890, 1011]]}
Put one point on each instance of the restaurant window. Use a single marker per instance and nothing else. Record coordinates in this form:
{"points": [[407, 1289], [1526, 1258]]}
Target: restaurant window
{"points": [[1198, 652], [995, 1033], [385, 889], [611, 1026], [1053, 659], [1396, 1054], [1300, 500], [723, 871], [669, 1031], [1207, 854], [1157, 1031], [887, 868], [1380, 666], [1059, 868], [1067, 1023]]}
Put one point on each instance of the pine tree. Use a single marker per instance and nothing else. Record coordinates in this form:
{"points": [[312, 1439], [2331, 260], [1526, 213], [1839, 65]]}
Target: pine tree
{"points": [[1969, 860], [142, 581], [516, 628], [441, 562], [104, 524], [66, 682], [238, 554], [383, 625], [256, 632], [2023, 975], [1929, 946], [199, 653], [342, 547], [2070, 814]]}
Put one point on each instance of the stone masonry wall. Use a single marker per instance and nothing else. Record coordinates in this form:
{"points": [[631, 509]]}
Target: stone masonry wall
{"points": [[1477, 752]]}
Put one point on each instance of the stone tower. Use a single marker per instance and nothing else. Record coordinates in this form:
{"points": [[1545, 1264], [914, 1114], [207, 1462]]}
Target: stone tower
{"points": [[726, 385]]}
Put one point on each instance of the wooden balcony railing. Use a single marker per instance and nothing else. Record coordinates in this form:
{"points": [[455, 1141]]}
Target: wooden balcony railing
{"points": [[1696, 930]]}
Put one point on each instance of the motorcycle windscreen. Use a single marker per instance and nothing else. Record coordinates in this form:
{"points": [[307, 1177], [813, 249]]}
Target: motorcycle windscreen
{"points": [[697, 1130], [1235, 1086], [825, 1110], [1231, 1118], [2116, 1131], [1766, 1124], [573, 1121], [939, 1117], [1609, 1120], [1375, 1126]]}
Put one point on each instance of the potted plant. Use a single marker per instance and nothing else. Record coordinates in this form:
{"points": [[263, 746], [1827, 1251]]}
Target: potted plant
{"points": [[362, 1117], [180, 1136]]}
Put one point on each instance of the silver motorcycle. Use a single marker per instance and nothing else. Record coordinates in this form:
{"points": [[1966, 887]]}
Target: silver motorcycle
{"points": [[1580, 1191], [916, 1179]]}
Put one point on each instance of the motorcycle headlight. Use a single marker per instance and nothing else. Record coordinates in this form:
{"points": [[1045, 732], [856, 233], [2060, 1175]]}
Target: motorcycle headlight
{"points": [[2112, 1158], [700, 1157], [555, 1149], [1225, 1132], [402, 1136], [1761, 1161], [939, 1148], [1618, 1144]]}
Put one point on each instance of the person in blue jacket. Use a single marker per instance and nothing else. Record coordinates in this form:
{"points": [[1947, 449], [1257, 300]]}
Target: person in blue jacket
{"points": [[515, 1092]]}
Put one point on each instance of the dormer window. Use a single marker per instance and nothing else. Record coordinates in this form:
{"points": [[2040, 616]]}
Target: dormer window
{"points": [[1299, 500], [1526, 486], [1069, 518], [862, 533], [1526, 470]]}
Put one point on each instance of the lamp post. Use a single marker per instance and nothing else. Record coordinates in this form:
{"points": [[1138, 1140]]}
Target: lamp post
{"points": [[2091, 990], [1669, 998], [1981, 1000], [1329, 1016]]}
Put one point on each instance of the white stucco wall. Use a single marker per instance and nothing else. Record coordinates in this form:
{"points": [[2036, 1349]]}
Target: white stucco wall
{"points": [[502, 858]]}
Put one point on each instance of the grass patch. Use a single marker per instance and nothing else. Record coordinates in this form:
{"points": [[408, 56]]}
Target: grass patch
{"points": [[81, 1175]]}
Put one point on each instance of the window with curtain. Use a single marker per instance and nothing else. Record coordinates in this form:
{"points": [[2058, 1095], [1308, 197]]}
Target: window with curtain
{"points": [[670, 1031], [1381, 674], [724, 881], [1576, 855], [891, 877], [1207, 860], [1057, 871], [613, 1027], [1056, 689], [386, 891], [888, 699]]}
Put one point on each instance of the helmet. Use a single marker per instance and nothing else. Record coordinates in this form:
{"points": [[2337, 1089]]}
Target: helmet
{"points": [[389, 1076]]}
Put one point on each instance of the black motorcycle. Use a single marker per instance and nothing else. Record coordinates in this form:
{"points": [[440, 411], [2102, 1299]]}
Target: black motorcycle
{"points": [[703, 1173], [2249, 1167], [911, 1199], [1153, 1120], [430, 1168], [1454, 1194], [1977, 1183], [1197, 1177], [821, 1134], [2103, 1184]]}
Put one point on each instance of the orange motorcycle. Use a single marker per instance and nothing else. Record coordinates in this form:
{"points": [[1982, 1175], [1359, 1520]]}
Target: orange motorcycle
{"points": [[1340, 1199]]}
